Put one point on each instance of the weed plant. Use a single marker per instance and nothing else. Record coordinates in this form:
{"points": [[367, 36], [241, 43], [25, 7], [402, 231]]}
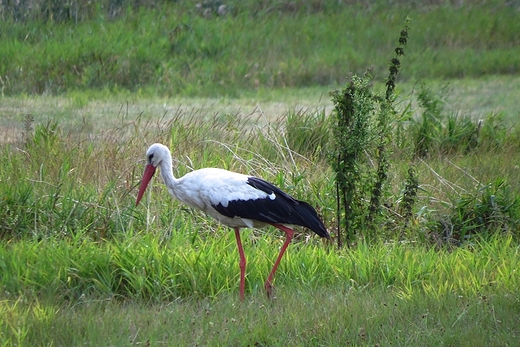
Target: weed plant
{"points": [[362, 133]]}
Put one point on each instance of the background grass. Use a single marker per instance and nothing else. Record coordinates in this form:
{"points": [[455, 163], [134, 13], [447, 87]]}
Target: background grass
{"points": [[173, 49]]}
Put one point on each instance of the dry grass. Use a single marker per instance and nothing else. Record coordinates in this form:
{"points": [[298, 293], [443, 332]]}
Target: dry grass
{"points": [[97, 113]]}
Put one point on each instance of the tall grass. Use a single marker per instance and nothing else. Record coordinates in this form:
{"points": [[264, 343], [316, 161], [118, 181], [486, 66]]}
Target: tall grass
{"points": [[155, 268], [61, 183]]}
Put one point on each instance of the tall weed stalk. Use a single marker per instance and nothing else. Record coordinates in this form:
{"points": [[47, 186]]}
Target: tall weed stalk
{"points": [[385, 116]]}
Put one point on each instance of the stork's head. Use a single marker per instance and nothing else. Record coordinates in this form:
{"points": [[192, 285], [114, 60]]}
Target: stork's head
{"points": [[155, 155]]}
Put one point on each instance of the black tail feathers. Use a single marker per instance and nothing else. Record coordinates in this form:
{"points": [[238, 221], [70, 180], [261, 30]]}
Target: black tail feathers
{"points": [[310, 219]]}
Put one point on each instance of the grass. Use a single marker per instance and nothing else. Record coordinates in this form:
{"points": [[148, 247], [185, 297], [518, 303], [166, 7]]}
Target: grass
{"points": [[172, 50], [97, 111], [83, 257], [474, 97], [157, 268], [328, 316], [404, 294]]}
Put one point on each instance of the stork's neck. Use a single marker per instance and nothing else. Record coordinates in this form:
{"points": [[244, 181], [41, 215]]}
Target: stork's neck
{"points": [[167, 173]]}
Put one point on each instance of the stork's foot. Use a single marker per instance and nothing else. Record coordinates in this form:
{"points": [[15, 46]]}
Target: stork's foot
{"points": [[269, 290]]}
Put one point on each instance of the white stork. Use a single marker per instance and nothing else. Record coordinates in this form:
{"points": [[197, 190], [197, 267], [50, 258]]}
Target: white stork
{"points": [[235, 200]]}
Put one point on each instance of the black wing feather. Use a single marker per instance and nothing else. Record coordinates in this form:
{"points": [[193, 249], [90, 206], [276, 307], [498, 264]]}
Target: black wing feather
{"points": [[284, 209]]}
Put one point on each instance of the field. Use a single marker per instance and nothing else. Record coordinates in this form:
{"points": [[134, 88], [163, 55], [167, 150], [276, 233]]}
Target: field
{"points": [[248, 89]]}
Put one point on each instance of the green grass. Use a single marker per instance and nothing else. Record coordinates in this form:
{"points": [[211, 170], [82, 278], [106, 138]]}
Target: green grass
{"points": [[78, 254], [170, 290], [475, 97], [96, 111], [157, 268], [328, 316]]}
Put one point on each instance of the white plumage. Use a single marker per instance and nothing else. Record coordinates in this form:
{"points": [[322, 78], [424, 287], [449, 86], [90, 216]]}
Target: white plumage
{"points": [[235, 200], [206, 188]]}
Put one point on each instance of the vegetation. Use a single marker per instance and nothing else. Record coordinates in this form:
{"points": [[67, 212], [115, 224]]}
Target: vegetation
{"points": [[372, 294], [84, 250], [363, 127], [81, 264]]}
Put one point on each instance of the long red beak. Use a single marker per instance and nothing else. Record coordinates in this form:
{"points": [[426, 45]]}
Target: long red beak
{"points": [[147, 176]]}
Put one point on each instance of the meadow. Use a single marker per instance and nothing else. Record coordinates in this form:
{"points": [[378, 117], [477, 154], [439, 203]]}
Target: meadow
{"points": [[157, 48], [248, 91]]}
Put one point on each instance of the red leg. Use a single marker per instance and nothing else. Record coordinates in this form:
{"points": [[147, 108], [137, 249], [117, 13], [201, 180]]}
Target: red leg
{"points": [[290, 233], [242, 264]]}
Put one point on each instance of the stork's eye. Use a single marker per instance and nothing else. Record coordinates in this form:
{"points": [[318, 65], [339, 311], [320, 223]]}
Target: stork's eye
{"points": [[150, 157]]}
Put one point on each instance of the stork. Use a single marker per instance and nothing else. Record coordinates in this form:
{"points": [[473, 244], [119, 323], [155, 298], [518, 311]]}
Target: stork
{"points": [[235, 200]]}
